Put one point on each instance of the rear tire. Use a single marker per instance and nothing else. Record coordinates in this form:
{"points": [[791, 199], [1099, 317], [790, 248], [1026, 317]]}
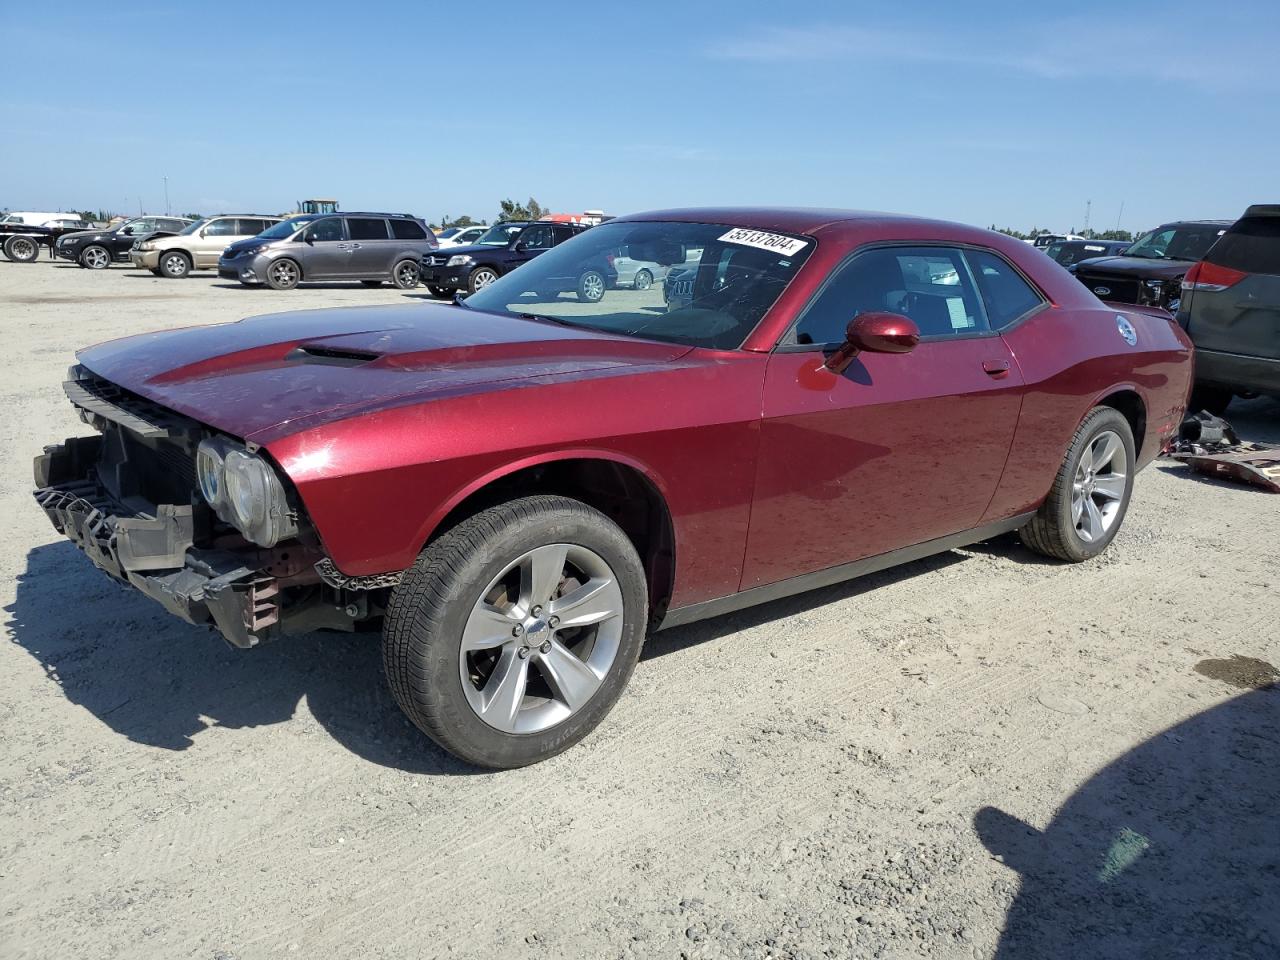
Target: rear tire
{"points": [[644, 280], [591, 287], [21, 249], [1213, 400], [473, 582], [1090, 494], [175, 265], [405, 274]]}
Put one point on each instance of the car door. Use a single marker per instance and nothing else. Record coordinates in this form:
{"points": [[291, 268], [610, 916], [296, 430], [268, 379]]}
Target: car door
{"points": [[212, 240], [534, 239], [324, 251], [131, 232], [897, 450], [370, 247]]}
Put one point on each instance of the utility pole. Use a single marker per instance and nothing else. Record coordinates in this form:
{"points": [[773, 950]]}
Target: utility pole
{"points": [[1088, 206], [166, 196], [1120, 214]]}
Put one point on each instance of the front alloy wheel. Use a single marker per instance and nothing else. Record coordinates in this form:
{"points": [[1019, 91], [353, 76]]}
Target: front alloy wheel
{"points": [[174, 265], [481, 277], [644, 280], [405, 275], [95, 257], [591, 287], [515, 632], [283, 274]]}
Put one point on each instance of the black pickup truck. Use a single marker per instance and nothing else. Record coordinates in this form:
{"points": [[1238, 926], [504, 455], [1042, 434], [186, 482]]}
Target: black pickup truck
{"points": [[22, 234], [1150, 272], [98, 249]]}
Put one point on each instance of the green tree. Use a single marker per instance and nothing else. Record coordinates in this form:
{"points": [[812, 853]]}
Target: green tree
{"points": [[522, 211]]}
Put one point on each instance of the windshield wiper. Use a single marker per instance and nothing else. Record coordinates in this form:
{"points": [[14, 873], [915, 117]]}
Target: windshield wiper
{"points": [[543, 316]]}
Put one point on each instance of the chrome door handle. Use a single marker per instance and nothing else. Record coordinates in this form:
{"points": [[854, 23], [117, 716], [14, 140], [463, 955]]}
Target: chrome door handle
{"points": [[355, 246], [996, 369], [342, 246]]}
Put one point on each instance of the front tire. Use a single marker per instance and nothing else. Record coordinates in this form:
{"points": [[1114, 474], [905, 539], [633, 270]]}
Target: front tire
{"points": [[405, 274], [175, 265], [1090, 494], [95, 257], [283, 274], [644, 280], [480, 278], [21, 249], [515, 632]]}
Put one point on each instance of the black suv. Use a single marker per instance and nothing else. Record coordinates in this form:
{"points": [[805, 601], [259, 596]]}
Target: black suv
{"points": [[98, 249], [1150, 272], [504, 247], [1067, 252], [1231, 310]]}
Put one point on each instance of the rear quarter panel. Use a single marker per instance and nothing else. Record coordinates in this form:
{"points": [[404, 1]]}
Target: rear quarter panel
{"points": [[377, 486], [1071, 359]]}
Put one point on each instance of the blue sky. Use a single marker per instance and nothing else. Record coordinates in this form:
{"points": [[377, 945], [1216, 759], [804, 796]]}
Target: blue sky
{"points": [[1014, 113]]}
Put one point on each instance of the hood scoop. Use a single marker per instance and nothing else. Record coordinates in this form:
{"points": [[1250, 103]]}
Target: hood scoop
{"points": [[330, 356]]}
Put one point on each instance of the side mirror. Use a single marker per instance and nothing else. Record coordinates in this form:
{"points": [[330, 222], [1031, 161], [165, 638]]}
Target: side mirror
{"points": [[874, 333], [127, 231], [520, 246], [309, 240]]}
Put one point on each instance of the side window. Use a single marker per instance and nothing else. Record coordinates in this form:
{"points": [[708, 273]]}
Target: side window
{"points": [[143, 225], [562, 233], [537, 237], [170, 225], [367, 228], [407, 230], [255, 227], [1007, 296], [930, 285], [1252, 245], [222, 227], [326, 230]]}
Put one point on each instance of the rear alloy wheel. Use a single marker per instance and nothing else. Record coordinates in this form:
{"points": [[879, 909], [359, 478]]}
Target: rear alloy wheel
{"points": [[95, 257], [283, 274], [644, 280], [480, 278], [515, 632], [405, 275], [21, 249], [591, 287], [175, 265], [1090, 494]]}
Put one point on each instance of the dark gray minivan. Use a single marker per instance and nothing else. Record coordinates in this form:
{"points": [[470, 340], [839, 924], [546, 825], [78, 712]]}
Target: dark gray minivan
{"points": [[1230, 309], [370, 247]]}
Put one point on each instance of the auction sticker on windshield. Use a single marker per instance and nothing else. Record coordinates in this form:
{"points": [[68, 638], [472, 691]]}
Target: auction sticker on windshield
{"points": [[773, 242]]}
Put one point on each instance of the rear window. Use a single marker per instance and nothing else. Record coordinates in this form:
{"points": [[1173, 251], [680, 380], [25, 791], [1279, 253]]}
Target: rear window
{"points": [[407, 230], [367, 228], [1252, 245]]}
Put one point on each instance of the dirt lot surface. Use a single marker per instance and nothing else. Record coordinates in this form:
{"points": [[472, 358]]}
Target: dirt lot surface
{"points": [[978, 755]]}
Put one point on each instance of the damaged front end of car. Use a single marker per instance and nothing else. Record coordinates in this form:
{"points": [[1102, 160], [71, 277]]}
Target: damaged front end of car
{"points": [[201, 523]]}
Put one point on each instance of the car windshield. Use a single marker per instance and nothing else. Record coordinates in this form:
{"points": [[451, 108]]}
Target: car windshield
{"points": [[1176, 243], [500, 234], [193, 228], [446, 234], [720, 280], [284, 228]]}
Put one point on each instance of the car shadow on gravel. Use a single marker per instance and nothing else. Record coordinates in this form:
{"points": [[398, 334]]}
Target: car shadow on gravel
{"points": [[160, 682], [681, 638], [1173, 850]]}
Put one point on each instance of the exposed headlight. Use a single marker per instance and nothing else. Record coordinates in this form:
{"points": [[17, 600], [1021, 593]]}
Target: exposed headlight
{"points": [[250, 251], [244, 491], [461, 260], [149, 245]]}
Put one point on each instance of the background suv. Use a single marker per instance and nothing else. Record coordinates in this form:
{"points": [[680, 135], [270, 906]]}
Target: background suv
{"points": [[1231, 310], [98, 249], [197, 247], [369, 247], [1150, 272], [504, 247]]}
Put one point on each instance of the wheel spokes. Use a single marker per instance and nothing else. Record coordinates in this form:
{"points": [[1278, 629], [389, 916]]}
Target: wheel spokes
{"points": [[1104, 450], [572, 681], [486, 627], [594, 601], [504, 692], [541, 573], [1093, 525], [1109, 485]]}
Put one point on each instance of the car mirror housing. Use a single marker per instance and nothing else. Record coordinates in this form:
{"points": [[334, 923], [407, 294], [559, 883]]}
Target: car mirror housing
{"points": [[875, 333]]}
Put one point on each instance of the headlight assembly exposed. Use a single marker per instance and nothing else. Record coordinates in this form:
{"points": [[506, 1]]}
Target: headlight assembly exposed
{"points": [[461, 260], [244, 491]]}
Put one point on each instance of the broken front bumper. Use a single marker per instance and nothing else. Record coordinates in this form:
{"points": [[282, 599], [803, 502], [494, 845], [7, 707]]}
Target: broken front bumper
{"points": [[152, 549]]}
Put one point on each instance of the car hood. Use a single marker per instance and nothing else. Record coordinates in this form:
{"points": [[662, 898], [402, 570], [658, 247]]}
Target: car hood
{"points": [[88, 235], [266, 377], [1135, 267], [239, 245], [477, 248]]}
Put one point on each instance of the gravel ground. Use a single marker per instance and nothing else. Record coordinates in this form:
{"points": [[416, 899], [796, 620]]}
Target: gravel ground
{"points": [[978, 755]]}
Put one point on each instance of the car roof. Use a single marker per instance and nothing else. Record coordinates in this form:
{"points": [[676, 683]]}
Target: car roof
{"points": [[1263, 210], [369, 213], [1196, 223], [786, 219]]}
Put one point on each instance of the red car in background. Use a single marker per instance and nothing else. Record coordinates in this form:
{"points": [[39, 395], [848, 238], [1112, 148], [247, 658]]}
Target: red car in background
{"points": [[516, 489]]}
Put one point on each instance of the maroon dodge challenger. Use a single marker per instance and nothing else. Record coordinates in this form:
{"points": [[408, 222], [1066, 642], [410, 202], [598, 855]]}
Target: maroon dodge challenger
{"points": [[517, 488]]}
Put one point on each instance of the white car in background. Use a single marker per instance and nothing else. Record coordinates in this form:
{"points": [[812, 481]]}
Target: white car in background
{"points": [[637, 274], [460, 236]]}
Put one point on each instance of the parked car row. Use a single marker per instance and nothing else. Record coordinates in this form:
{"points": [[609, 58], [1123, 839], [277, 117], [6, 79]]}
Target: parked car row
{"points": [[24, 232]]}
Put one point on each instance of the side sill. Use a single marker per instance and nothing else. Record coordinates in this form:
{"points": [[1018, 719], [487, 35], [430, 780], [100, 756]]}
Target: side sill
{"points": [[845, 571]]}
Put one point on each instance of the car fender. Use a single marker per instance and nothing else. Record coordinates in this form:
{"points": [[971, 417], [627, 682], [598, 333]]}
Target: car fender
{"points": [[450, 503]]}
